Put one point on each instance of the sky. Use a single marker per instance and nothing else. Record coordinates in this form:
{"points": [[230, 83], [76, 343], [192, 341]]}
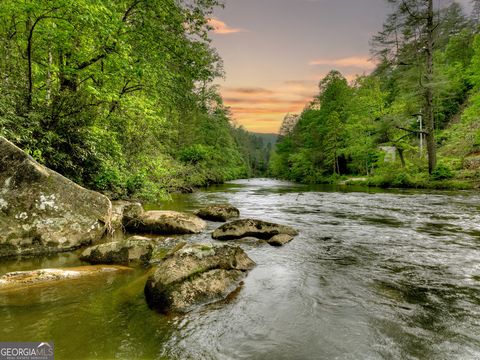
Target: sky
{"points": [[275, 52]]}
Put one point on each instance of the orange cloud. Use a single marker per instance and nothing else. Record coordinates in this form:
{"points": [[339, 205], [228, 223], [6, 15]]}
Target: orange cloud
{"points": [[263, 109], [249, 91], [262, 101], [361, 62], [283, 110], [221, 28]]}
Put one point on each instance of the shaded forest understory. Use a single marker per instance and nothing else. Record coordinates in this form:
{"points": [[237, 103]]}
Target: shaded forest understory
{"points": [[118, 97]]}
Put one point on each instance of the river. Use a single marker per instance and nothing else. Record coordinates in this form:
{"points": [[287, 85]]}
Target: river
{"points": [[372, 275]]}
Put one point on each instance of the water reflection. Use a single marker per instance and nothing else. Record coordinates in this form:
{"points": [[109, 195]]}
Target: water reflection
{"points": [[372, 275]]}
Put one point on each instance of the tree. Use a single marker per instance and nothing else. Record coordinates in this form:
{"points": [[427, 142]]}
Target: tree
{"points": [[112, 93], [475, 15], [417, 22]]}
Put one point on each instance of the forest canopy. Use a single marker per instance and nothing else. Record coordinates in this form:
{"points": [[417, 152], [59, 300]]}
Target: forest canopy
{"points": [[427, 68], [118, 95]]}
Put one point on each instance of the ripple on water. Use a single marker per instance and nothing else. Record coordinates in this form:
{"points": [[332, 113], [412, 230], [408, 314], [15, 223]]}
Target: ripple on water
{"points": [[372, 275]]}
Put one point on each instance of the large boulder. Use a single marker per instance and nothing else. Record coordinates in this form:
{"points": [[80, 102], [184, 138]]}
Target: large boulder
{"points": [[251, 228], [165, 248], [196, 275], [22, 279], [219, 213], [136, 249], [42, 211], [165, 222]]}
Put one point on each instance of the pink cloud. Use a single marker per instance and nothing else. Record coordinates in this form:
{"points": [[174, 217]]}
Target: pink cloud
{"points": [[361, 62], [221, 28]]}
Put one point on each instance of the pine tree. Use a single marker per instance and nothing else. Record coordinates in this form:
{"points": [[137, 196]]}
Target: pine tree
{"points": [[475, 15]]}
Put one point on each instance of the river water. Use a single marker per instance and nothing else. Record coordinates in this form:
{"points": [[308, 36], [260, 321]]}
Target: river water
{"points": [[372, 275]]}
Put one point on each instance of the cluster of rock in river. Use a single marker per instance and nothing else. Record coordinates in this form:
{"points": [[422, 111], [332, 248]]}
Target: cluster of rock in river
{"points": [[43, 212]]}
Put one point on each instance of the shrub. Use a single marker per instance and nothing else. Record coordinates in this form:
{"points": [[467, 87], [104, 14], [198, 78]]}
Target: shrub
{"points": [[442, 172], [109, 180], [194, 154]]}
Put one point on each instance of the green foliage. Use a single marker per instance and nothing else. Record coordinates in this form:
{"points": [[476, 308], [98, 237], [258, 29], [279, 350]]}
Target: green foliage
{"points": [[116, 95], [194, 154], [442, 172], [255, 149], [344, 131]]}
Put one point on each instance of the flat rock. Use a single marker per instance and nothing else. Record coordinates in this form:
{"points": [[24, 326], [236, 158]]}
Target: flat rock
{"points": [[219, 213], [23, 279], [41, 211], [136, 249], [280, 239], [165, 222], [196, 275], [251, 228]]}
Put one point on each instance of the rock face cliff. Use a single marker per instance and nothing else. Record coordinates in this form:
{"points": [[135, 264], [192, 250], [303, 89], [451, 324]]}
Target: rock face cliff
{"points": [[41, 211], [289, 122]]}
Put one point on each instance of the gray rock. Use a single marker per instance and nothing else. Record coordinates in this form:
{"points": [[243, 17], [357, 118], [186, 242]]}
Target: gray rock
{"points": [[42, 211], [472, 162], [124, 209], [196, 275], [251, 228], [136, 249], [26, 279], [165, 222], [219, 213], [165, 248], [280, 239], [132, 211]]}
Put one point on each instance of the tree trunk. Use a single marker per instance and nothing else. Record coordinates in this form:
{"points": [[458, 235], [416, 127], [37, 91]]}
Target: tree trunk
{"points": [[400, 155], [429, 121], [48, 80], [67, 81], [30, 29]]}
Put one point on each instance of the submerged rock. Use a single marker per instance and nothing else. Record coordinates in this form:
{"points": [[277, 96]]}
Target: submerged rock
{"points": [[41, 211], [136, 249], [165, 222], [251, 228], [196, 275], [219, 213], [22, 279], [280, 239]]}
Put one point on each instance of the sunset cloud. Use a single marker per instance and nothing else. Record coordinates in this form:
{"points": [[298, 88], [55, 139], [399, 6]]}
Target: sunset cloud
{"points": [[263, 109], [221, 28], [249, 91], [360, 62]]}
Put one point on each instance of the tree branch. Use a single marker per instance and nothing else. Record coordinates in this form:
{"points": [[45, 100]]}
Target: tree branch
{"points": [[130, 9], [412, 131]]}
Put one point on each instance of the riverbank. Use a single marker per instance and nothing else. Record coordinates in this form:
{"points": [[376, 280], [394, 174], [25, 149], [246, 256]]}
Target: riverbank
{"points": [[466, 180], [405, 182]]}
